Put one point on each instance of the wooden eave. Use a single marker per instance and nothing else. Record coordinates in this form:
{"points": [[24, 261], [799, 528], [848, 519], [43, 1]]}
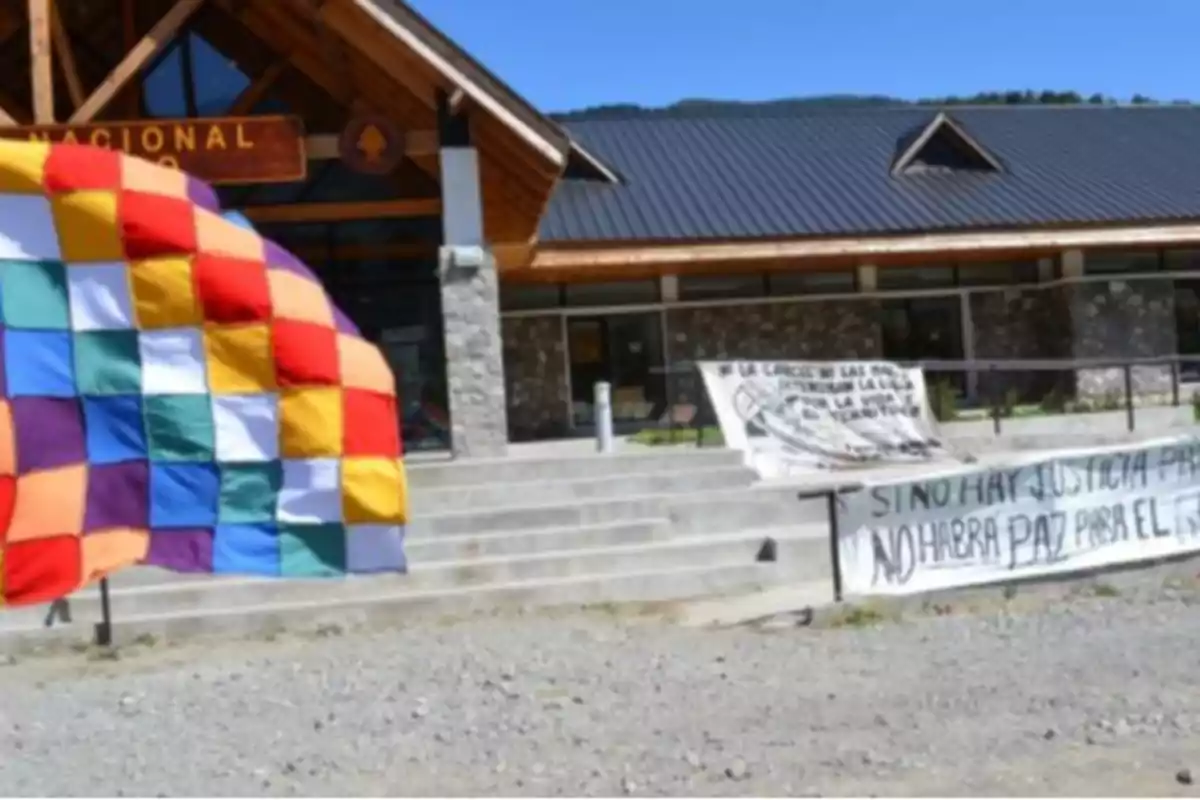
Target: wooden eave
{"points": [[461, 72], [633, 259]]}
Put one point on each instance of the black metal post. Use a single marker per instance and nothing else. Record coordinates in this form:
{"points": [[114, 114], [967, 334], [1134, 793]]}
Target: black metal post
{"points": [[1129, 416], [831, 500], [994, 395], [1175, 382], [104, 626], [669, 383]]}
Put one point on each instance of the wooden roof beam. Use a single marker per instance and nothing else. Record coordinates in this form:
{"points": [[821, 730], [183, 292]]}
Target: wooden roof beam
{"points": [[337, 212], [254, 94], [41, 67], [9, 119], [136, 59], [301, 52]]}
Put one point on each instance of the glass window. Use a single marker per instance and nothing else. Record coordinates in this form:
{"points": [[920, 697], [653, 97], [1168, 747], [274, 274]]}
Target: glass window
{"points": [[1187, 325], [720, 287], [822, 282], [1120, 263], [615, 293], [529, 296], [998, 274], [163, 85], [899, 278], [1182, 260], [217, 81]]}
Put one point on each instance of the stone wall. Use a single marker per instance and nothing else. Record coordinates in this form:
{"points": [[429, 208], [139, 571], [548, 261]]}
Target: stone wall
{"points": [[535, 370], [837, 329], [1122, 319], [830, 330], [1106, 319], [1025, 324]]}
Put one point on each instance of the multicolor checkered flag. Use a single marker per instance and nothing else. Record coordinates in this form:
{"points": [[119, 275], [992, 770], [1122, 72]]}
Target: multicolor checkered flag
{"points": [[176, 390]]}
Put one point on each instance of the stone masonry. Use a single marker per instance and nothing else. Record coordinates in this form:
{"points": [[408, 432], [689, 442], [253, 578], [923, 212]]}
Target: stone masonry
{"points": [[837, 329], [1022, 324], [1097, 319], [1122, 319], [474, 362], [535, 368]]}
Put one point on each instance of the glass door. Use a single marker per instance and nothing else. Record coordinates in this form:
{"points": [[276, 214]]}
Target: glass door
{"points": [[925, 329], [626, 350], [1187, 325]]}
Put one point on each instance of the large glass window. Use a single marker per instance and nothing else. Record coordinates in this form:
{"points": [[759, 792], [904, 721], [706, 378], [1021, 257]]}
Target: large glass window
{"points": [[615, 293], [843, 281], [163, 85], [529, 296], [1004, 273], [914, 278], [1110, 262], [217, 81], [191, 71], [721, 287], [1181, 260]]}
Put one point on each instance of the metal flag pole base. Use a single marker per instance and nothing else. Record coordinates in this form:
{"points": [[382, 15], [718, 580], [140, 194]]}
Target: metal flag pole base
{"points": [[104, 626]]}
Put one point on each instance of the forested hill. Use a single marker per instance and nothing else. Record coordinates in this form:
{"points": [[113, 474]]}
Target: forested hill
{"points": [[691, 108]]}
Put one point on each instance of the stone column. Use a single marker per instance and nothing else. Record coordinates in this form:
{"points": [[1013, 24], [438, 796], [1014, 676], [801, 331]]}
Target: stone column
{"points": [[470, 313]]}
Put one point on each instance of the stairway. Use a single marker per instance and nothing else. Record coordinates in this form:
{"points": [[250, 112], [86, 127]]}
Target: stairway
{"points": [[660, 525]]}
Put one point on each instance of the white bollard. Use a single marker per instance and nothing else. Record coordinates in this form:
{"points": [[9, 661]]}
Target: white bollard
{"points": [[603, 417]]}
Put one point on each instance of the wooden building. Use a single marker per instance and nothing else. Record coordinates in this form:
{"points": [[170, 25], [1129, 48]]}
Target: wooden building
{"points": [[505, 261]]}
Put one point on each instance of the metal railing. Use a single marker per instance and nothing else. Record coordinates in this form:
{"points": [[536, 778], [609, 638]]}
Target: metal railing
{"points": [[980, 389]]}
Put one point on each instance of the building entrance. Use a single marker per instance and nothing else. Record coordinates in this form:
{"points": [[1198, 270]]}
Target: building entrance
{"points": [[626, 350], [396, 302], [925, 328]]}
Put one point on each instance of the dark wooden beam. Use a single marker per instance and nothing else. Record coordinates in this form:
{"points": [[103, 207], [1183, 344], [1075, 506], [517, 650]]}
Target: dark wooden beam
{"points": [[66, 57], [141, 54], [254, 94]]}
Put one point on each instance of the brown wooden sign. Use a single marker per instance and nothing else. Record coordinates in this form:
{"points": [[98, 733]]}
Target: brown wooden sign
{"points": [[218, 150]]}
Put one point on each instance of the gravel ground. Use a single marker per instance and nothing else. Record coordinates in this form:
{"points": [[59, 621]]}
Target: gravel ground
{"points": [[1092, 696]]}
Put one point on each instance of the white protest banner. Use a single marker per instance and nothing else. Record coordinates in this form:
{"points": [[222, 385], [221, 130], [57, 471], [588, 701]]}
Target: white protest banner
{"points": [[1081, 511], [790, 417]]}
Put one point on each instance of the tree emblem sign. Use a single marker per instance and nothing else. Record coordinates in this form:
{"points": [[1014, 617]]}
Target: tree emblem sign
{"points": [[372, 145]]}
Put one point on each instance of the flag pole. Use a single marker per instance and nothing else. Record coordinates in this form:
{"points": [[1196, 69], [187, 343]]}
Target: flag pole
{"points": [[104, 626]]}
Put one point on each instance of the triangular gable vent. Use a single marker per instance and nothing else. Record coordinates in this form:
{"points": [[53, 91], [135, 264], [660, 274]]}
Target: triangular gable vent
{"points": [[942, 146]]}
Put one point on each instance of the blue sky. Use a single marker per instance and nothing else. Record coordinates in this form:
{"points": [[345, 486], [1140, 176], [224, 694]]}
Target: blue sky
{"points": [[564, 54]]}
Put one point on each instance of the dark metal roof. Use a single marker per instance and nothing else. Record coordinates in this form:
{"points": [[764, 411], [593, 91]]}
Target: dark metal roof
{"points": [[827, 172]]}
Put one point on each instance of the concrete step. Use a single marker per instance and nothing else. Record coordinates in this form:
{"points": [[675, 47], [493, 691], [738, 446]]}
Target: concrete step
{"points": [[536, 540], [551, 515], [399, 606], [517, 470], [742, 509], [230, 592], [543, 492], [713, 510]]}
